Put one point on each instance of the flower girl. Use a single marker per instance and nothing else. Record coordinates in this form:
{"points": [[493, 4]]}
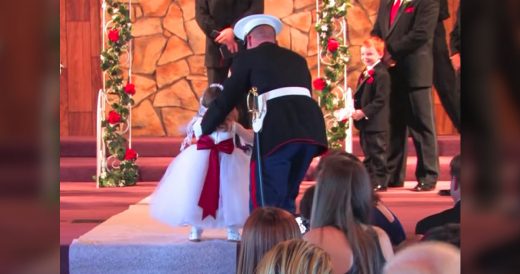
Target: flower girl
{"points": [[207, 184]]}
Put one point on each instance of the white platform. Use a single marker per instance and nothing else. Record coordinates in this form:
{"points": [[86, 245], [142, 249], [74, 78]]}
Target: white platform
{"points": [[133, 242]]}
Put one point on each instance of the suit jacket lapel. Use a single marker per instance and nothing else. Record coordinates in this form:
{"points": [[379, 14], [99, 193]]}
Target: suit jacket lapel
{"points": [[361, 83], [386, 17], [399, 13]]}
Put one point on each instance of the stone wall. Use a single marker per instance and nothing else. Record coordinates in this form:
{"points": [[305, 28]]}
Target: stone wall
{"points": [[168, 55]]}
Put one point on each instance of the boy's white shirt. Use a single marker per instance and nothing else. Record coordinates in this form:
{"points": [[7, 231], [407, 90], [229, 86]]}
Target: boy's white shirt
{"points": [[374, 65]]}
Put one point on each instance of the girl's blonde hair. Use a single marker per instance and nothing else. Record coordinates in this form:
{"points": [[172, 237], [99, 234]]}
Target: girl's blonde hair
{"points": [[295, 256], [265, 227]]}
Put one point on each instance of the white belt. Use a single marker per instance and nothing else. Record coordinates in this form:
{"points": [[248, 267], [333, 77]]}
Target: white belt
{"points": [[279, 92], [275, 93]]}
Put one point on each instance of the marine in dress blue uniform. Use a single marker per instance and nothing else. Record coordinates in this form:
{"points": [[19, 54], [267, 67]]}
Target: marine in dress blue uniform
{"points": [[293, 130]]}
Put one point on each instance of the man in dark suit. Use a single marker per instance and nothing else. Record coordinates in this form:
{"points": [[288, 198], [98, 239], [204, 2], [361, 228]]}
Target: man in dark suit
{"points": [[293, 129], [443, 72], [447, 216], [455, 48], [408, 30], [216, 19]]}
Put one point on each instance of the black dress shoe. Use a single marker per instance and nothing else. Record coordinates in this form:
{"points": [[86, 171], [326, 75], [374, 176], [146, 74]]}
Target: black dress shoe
{"points": [[423, 187], [379, 188], [444, 192]]}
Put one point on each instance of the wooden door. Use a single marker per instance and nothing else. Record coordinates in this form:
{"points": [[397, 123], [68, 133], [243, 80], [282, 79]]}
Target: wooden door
{"points": [[80, 77]]}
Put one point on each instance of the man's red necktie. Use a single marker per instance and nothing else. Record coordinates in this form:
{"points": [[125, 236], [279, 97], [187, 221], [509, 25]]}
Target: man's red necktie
{"points": [[393, 11]]}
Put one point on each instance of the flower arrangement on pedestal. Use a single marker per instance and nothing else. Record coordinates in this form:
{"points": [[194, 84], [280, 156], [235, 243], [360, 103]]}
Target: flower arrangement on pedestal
{"points": [[119, 169], [334, 55]]}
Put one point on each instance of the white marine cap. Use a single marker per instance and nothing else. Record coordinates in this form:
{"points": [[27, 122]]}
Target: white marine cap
{"points": [[248, 23]]}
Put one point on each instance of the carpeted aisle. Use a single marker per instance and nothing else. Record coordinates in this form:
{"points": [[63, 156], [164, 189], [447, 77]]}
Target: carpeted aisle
{"points": [[132, 242]]}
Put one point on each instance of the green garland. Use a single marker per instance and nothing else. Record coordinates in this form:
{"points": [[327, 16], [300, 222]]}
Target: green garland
{"points": [[334, 55], [119, 35]]}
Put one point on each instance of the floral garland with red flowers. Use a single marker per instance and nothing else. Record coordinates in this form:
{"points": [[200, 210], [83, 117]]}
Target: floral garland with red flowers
{"points": [[334, 55], [121, 169]]}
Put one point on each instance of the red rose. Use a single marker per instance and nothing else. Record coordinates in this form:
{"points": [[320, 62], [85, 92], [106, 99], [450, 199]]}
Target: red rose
{"points": [[113, 35], [130, 89], [332, 45], [370, 80], [130, 154], [371, 72], [113, 117], [319, 84]]}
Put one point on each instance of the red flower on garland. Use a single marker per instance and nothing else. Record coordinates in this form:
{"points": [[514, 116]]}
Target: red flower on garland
{"points": [[332, 45], [130, 89], [319, 84], [113, 35], [113, 117], [130, 154]]}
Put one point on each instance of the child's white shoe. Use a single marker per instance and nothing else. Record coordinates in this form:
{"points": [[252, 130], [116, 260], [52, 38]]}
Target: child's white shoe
{"points": [[195, 234], [233, 234]]}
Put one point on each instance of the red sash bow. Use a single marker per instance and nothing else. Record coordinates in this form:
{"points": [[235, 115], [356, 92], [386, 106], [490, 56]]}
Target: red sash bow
{"points": [[210, 194]]}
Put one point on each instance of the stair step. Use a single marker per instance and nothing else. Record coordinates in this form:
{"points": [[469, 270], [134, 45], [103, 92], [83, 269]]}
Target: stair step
{"points": [[81, 169], [169, 146], [77, 169], [145, 146]]}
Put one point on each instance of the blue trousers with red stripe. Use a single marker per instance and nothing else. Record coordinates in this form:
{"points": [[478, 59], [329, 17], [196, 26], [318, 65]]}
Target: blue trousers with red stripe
{"points": [[283, 171]]}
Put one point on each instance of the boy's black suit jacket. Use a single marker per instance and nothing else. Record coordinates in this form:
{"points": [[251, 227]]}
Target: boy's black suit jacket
{"points": [[373, 99], [409, 40], [220, 14]]}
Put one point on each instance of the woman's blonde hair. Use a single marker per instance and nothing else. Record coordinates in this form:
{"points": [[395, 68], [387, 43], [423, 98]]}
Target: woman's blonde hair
{"points": [[295, 256], [265, 227]]}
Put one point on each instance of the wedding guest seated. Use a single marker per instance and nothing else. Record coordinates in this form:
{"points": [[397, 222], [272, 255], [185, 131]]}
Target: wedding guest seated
{"points": [[448, 233], [263, 229], [295, 256], [306, 207], [451, 215], [340, 222], [383, 217], [425, 258], [380, 215]]}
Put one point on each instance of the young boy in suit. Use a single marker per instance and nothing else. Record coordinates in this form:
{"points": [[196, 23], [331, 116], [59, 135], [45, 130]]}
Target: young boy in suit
{"points": [[371, 115]]}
